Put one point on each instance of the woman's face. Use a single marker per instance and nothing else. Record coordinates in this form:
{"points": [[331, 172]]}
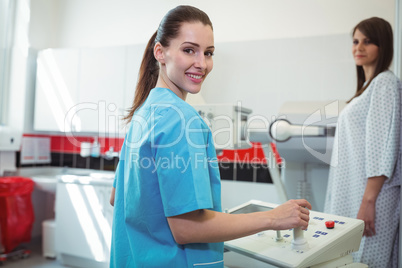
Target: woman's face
{"points": [[364, 51], [187, 61]]}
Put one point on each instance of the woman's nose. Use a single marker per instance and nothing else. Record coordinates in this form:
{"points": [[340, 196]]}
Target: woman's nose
{"points": [[201, 62], [359, 46]]}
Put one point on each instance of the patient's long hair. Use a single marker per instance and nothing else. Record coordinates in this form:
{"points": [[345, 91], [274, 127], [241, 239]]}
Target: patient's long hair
{"points": [[379, 31]]}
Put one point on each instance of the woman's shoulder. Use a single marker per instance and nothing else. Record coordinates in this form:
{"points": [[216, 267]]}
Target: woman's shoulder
{"points": [[176, 107], [163, 100], [168, 106], [387, 78], [385, 84]]}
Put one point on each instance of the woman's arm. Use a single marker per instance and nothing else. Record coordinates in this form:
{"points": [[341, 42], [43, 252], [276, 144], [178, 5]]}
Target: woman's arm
{"points": [[207, 226], [112, 196], [367, 207]]}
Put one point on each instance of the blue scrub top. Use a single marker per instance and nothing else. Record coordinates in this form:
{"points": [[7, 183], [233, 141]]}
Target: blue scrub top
{"points": [[167, 167]]}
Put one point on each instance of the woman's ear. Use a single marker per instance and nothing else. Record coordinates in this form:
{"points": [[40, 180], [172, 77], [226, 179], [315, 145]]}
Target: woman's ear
{"points": [[159, 53]]}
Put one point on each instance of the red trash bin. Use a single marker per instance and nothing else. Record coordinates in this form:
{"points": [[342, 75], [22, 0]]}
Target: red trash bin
{"points": [[16, 212]]}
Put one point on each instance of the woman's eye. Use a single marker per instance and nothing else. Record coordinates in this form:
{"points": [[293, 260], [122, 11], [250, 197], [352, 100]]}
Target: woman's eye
{"points": [[189, 50], [209, 53], [367, 41], [355, 42]]}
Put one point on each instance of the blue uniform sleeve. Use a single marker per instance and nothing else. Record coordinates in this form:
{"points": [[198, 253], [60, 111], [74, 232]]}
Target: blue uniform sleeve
{"points": [[383, 127], [180, 144]]}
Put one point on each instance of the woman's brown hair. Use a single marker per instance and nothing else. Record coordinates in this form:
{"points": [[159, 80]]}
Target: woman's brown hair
{"points": [[379, 32], [168, 29]]}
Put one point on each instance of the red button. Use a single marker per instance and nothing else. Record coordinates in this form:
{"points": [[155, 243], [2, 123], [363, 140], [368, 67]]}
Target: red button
{"points": [[330, 224]]}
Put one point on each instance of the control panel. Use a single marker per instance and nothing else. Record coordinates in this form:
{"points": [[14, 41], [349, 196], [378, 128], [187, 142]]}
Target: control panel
{"points": [[327, 238]]}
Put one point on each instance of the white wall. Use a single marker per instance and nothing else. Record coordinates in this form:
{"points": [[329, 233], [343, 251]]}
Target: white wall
{"points": [[78, 23], [263, 74]]}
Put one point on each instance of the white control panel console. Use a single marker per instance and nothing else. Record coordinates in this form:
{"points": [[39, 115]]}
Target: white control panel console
{"points": [[316, 245]]}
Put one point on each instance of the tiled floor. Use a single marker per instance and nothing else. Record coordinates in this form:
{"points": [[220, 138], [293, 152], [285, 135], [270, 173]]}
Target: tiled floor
{"points": [[35, 260]]}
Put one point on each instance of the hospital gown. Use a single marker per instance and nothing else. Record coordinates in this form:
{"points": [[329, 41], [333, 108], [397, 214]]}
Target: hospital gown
{"points": [[367, 144]]}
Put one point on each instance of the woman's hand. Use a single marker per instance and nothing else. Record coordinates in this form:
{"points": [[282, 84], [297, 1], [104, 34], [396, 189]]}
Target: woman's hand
{"points": [[112, 194], [367, 214], [367, 207], [292, 214], [207, 226]]}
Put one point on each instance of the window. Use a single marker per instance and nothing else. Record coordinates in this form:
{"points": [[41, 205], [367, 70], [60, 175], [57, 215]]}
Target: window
{"points": [[7, 14]]}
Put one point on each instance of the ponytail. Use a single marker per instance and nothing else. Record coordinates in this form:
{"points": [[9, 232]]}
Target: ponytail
{"points": [[147, 78]]}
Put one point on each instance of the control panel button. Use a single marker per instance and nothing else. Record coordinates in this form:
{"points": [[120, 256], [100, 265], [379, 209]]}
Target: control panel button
{"points": [[330, 224]]}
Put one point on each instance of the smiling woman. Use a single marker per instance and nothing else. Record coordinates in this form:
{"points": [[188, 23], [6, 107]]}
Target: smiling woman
{"points": [[167, 192]]}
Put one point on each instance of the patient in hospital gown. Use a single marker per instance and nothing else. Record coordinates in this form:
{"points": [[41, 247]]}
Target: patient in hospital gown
{"points": [[368, 145]]}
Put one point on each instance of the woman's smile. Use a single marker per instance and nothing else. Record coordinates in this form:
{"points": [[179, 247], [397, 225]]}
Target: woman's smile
{"points": [[196, 78]]}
